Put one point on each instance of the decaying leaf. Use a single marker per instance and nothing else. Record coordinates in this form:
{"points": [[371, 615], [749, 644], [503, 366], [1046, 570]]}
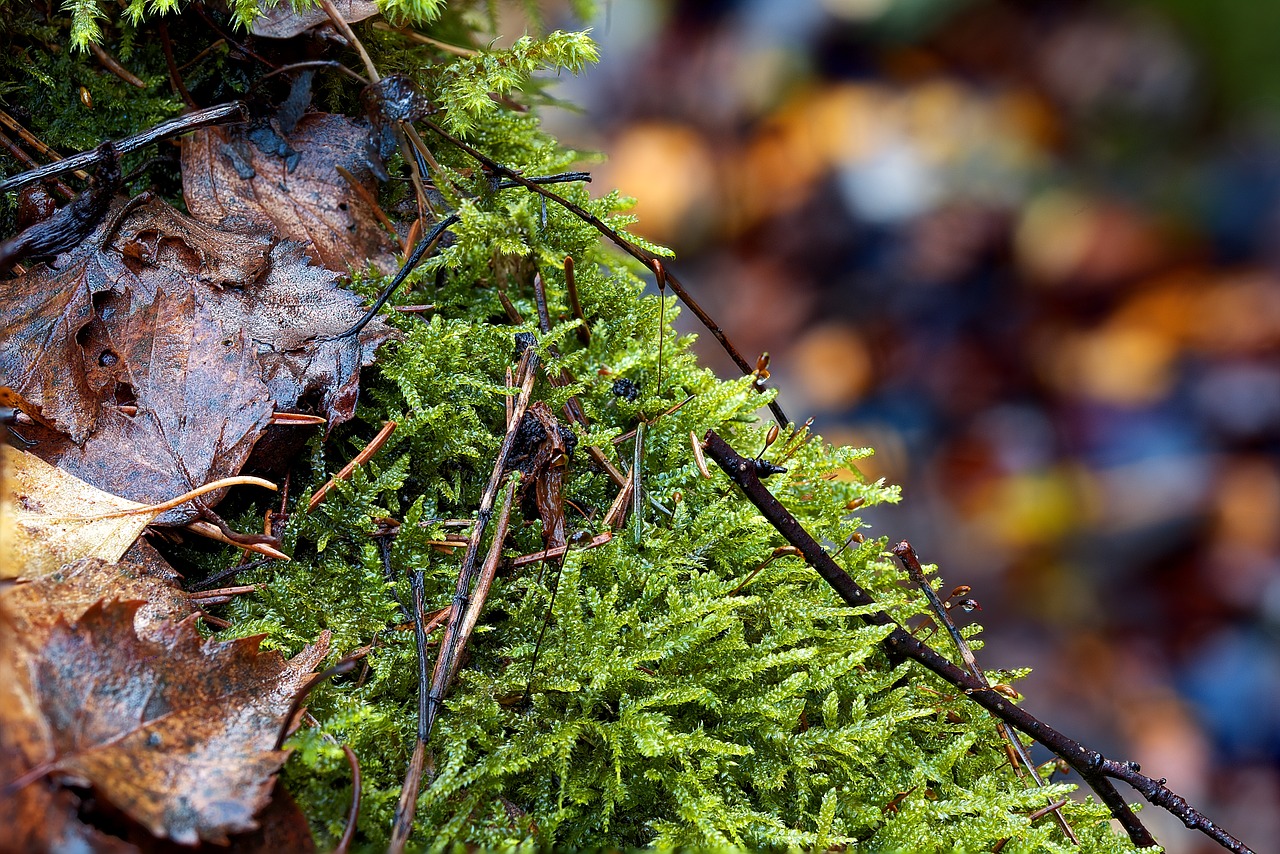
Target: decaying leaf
{"points": [[294, 315], [68, 592], [40, 816], [57, 518], [284, 22], [40, 358], [200, 404], [175, 731], [248, 180]]}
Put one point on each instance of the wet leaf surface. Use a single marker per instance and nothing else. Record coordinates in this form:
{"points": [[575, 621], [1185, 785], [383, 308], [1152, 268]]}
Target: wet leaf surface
{"points": [[253, 179], [283, 22], [175, 731], [200, 404]]}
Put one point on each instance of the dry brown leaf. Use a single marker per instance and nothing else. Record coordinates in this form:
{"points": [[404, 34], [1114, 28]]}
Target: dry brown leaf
{"points": [[45, 309], [57, 518], [40, 816], [293, 188], [294, 316], [200, 404], [175, 731]]}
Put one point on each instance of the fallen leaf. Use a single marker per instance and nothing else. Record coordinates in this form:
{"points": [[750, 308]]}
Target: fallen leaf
{"points": [[40, 816], [57, 518], [40, 359], [69, 591], [249, 179], [175, 731], [201, 405], [294, 315], [283, 22]]}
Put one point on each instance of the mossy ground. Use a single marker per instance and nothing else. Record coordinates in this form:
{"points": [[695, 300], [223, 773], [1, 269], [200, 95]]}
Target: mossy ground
{"points": [[675, 702]]}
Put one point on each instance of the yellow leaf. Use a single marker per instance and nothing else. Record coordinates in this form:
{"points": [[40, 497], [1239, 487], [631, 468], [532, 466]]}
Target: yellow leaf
{"points": [[51, 518]]}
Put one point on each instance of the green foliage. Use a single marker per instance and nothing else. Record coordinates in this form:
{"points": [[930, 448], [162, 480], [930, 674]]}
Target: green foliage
{"points": [[690, 692]]}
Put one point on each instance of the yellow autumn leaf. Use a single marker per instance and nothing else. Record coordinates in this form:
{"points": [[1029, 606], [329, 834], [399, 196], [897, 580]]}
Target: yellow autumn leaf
{"points": [[51, 518]]}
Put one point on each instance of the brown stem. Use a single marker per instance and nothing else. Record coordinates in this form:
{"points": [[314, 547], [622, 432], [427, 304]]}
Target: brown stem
{"points": [[1095, 768], [353, 814], [571, 284], [113, 65], [175, 78], [375, 444]]}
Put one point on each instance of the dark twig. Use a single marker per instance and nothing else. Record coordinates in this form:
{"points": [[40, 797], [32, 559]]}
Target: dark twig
{"points": [[182, 124], [402, 824], [353, 814], [526, 374], [1096, 769], [346, 665], [175, 77], [642, 255], [419, 252], [230, 572]]}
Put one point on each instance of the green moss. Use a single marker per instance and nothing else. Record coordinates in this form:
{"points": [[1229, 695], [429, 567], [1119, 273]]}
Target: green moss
{"points": [[679, 700]]}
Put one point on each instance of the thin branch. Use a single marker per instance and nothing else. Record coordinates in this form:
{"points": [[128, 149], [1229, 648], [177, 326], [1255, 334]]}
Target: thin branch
{"points": [[113, 65], [642, 255], [1096, 769], [353, 814], [219, 114], [375, 444]]}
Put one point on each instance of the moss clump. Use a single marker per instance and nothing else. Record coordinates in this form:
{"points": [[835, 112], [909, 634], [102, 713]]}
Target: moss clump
{"points": [[680, 699]]}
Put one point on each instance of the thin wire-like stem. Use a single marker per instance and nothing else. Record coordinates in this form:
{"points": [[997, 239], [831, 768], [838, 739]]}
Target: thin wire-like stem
{"points": [[642, 255]]}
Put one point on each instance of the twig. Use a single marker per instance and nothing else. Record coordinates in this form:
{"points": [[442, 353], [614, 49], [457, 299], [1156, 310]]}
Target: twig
{"points": [[907, 555], [547, 554], [363, 192], [345, 29], [421, 39], [642, 255], [113, 65], [35, 142], [353, 814], [174, 77], [424, 246], [230, 572], [213, 532], [172, 127], [1096, 769], [375, 444], [527, 374], [346, 665]]}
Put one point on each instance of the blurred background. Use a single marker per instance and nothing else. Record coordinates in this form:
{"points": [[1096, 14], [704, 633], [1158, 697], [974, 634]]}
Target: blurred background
{"points": [[1029, 252]]}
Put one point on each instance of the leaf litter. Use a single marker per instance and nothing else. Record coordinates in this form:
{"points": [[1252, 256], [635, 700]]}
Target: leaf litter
{"points": [[148, 356]]}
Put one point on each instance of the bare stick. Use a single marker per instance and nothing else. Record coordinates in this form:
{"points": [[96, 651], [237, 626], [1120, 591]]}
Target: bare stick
{"points": [[642, 255], [38, 144], [113, 65], [526, 373], [353, 814], [343, 27], [1096, 769], [219, 114], [571, 284]]}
